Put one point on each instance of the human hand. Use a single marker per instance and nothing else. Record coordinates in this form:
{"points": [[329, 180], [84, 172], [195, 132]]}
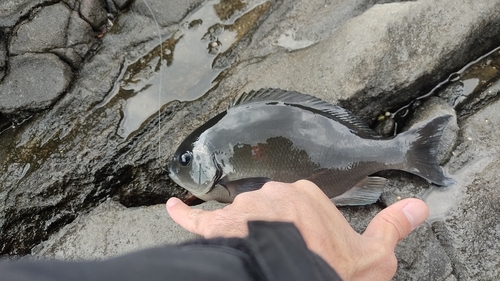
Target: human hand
{"points": [[369, 256]]}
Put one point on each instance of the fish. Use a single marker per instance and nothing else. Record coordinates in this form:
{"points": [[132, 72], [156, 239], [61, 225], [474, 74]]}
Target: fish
{"points": [[280, 135]]}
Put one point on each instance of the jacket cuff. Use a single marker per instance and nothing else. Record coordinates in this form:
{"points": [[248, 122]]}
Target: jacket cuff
{"points": [[282, 253]]}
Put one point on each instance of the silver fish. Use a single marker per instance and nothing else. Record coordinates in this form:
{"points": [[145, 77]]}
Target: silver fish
{"points": [[273, 134]]}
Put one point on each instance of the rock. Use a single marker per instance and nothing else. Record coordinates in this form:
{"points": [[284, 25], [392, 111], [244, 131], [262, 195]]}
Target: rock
{"points": [[471, 227], [92, 178], [94, 12], [372, 59], [98, 236], [3, 55], [379, 54], [79, 33], [464, 216], [431, 262], [465, 89], [64, 33], [11, 11], [51, 21], [121, 4], [165, 12], [33, 83], [70, 56]]}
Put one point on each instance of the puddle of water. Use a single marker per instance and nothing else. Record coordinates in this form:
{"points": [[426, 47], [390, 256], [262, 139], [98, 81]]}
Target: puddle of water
{"points": [[442, 200], [181, 68], [287, 40], [467, 87]]}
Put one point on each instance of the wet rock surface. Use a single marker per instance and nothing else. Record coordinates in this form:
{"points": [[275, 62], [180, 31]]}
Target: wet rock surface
{"points": [[67, 173], [34, 82], [98, 236]]}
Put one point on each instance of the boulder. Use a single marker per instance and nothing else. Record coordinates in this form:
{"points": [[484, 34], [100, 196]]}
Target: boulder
{"points": [[51, 21], [34, 82]]}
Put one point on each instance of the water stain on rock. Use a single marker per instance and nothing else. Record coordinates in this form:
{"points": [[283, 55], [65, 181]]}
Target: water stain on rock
{"points": [[181, 68]]}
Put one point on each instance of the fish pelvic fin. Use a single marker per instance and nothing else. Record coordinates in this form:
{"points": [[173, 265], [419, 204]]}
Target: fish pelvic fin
{"points": [[366, 192], [421, 157], [243, 185]]}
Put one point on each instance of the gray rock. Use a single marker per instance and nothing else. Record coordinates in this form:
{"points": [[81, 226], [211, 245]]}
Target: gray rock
{"points": [[51, 22], [381, 52], [79, 40], [79, 32], [165, 12], [430, 262], [3, 55], [33, 83], [94, 12], [12, 10], [92, 178], [121, 4], [464, 216], [465, 89], [70, 56], [98, 236]]}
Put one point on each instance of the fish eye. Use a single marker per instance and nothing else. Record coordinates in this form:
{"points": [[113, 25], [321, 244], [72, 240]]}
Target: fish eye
{"points": [[185, 158]]}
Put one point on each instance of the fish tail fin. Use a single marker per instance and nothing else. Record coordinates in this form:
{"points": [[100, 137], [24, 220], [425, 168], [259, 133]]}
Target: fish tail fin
{"points": [[421, 157]]}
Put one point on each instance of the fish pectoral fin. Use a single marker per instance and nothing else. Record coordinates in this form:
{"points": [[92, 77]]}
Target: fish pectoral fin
{"points": [[243, 185], [366, 192]]}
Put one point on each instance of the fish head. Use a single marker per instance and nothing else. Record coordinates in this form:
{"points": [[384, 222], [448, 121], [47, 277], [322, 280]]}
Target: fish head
{"points": [[194, 167]]}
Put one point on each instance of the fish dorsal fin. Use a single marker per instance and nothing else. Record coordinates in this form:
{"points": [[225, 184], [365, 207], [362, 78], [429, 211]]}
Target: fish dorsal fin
{"points": [[307, 102]]}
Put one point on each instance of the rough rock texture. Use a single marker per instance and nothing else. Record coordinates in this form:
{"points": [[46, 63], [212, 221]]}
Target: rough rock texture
{"points": [[52, 170], [383, 56], [34, 82], [121, 4], [65, 161], [65, 34], [12, 11], [3, 55], [165, 12], [94, 12], [52, 21], [97, 235], [38, 55], [468, 231]]}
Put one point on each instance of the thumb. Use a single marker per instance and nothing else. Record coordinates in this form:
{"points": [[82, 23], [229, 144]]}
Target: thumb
{"points": [[395, 222], [186, 217]]}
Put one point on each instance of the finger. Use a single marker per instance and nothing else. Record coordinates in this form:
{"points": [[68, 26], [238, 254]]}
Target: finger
{"points": [[395, 222], [182, 214]]}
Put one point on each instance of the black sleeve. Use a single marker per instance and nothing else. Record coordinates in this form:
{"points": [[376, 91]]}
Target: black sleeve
{"points": [[272, 251]]}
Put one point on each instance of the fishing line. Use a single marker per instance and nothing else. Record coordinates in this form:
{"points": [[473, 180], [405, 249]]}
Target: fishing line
{"points": [[160, 83]]}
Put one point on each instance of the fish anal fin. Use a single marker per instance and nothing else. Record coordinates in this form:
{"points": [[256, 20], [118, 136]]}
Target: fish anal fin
{"points": [[366, 192]]}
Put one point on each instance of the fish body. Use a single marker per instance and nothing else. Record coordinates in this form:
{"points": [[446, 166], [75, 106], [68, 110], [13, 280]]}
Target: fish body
{"points": [[279, 135]]}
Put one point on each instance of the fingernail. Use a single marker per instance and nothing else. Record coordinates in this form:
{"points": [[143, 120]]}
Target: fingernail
{"points": [[416, 212], [173, 201]]}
